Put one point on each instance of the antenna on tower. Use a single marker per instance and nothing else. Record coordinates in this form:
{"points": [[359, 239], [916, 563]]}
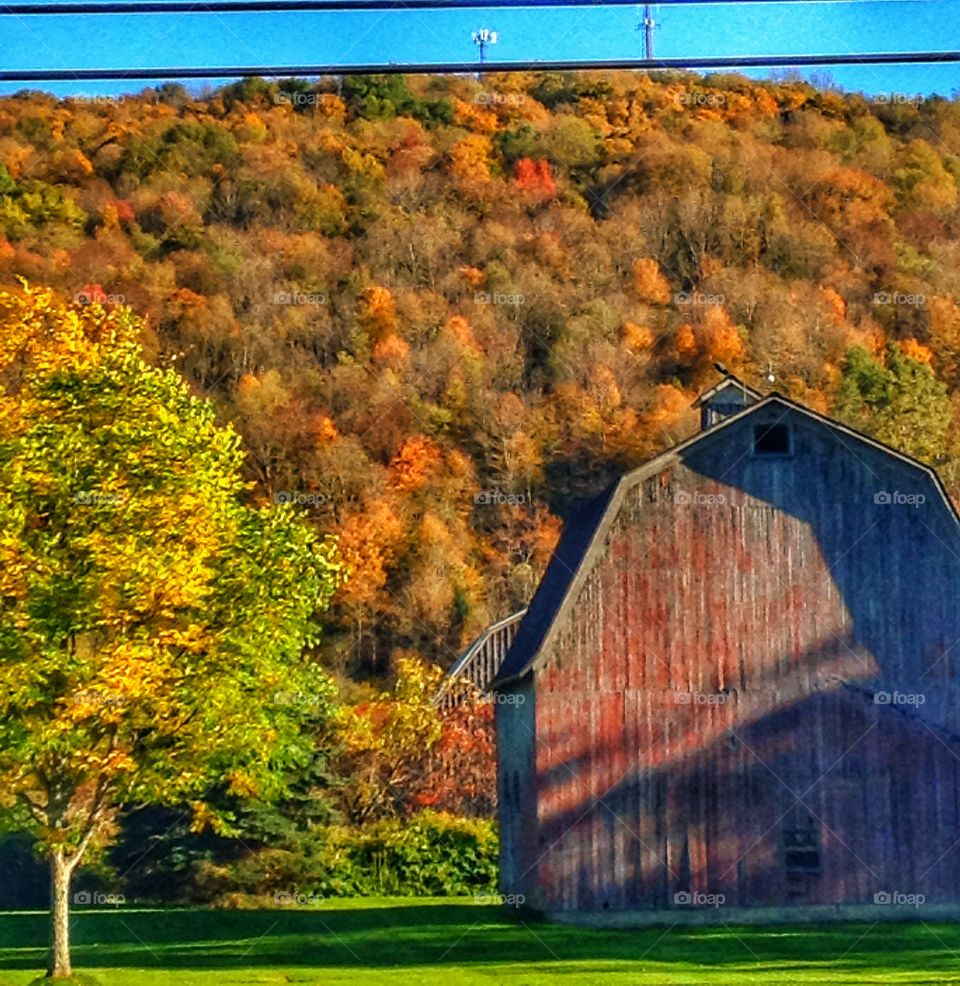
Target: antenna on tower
{"points": [[481, 39], [647, 25]]}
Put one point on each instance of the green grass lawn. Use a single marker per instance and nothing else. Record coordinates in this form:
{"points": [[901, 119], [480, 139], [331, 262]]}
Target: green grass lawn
{"points": [[404, 942]]}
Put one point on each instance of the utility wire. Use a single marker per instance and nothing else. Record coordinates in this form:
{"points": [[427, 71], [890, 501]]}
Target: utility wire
{"points": [[447, 68], [273, 6]]}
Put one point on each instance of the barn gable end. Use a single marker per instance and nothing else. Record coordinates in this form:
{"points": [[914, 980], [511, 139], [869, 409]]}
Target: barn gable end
{"points": [[727, 398], [713, 640]]}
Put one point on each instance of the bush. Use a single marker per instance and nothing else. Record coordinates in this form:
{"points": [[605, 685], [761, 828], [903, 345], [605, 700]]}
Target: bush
{"points": [[430, 854]]}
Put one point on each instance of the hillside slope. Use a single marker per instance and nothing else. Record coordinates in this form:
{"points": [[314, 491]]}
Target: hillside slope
{"points": [[439, 311]]}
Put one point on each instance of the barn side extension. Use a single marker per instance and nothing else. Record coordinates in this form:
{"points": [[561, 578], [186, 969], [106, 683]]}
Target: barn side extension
{"points": [[480, 663]]}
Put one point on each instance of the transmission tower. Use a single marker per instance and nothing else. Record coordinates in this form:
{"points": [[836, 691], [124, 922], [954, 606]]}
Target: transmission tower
{"points": [[482, 39]]}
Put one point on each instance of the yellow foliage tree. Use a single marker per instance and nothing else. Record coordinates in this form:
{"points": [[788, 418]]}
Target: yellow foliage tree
{"points": [[637, 338], [722, 340], [385, 740], [377, 312], [368, 541], [649, 284], [470, 159], [148, 614], [944, 321]]}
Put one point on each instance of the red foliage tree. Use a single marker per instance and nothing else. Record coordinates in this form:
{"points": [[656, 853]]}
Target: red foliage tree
{"points": [[460, 771], [534, 178], [125, 213]]}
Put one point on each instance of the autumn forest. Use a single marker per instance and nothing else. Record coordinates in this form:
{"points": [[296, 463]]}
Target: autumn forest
{"points": [[441, 311]]}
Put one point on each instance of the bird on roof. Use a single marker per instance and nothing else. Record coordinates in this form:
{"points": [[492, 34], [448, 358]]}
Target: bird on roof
{"points": [[720, 368]]}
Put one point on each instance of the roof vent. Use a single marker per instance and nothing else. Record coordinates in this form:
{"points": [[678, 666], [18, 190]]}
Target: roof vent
{"points": [[726, 398]]}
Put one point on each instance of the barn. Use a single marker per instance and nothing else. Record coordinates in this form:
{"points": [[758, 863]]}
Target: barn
{"points": [[736, 686]]}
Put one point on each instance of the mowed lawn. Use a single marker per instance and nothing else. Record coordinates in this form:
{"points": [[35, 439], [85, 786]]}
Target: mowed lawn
{"points": [[407, 942]]}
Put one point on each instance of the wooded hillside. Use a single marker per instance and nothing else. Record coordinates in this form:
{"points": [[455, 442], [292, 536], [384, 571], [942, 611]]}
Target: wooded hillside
{"points": [[439, 311]]}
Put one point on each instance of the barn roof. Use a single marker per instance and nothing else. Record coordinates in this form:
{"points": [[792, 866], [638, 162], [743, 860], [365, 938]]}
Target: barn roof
{"points": [[578, 534], [583, 534]]}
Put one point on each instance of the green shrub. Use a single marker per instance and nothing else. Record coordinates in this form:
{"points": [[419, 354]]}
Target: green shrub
{"points": [[429, 854]]}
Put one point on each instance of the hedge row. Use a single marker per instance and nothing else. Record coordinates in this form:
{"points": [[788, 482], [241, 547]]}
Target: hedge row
{"points": [[429, 854]]}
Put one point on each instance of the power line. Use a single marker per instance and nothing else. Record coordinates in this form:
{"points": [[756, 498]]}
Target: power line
{"points": [[279, 6], [466, 68]]}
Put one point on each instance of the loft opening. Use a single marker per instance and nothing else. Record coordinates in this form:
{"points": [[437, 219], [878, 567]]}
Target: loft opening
{"points": [[772, 439]]}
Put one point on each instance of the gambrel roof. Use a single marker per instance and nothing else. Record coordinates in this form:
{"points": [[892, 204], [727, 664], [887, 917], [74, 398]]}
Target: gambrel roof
{"points": [[583, 535]]}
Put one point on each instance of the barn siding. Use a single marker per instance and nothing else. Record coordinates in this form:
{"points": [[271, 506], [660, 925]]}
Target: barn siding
{"points": [[793, 598]]}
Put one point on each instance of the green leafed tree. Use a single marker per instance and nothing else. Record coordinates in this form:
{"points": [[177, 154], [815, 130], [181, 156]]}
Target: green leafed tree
{"points": [[898, 401], [153, 625]]}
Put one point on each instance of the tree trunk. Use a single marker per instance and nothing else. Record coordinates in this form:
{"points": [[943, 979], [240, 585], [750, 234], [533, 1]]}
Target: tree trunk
{"points": [[60, 873]]}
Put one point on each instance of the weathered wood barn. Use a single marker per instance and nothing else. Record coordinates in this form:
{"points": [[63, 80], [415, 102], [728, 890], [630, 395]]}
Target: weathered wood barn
{"points": [[737, 682]]}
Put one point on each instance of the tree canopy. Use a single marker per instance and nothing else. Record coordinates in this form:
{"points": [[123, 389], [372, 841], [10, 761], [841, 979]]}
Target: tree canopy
{"points": [[152, 621]]}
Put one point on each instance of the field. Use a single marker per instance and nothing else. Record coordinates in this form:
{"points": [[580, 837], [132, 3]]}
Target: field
{"points": [[411, 943]]}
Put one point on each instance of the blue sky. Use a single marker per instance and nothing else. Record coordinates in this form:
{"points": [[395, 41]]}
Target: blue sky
{"points": [[100, 41]]}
